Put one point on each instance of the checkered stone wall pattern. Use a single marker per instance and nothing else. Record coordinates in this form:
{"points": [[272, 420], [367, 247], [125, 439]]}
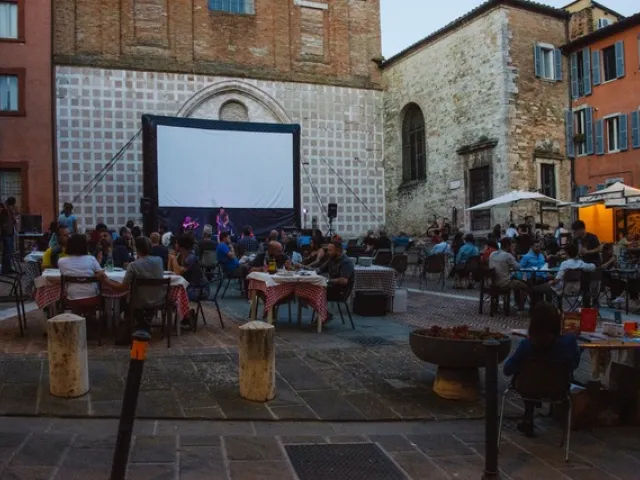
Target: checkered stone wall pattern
{"points": [[99, 111]]}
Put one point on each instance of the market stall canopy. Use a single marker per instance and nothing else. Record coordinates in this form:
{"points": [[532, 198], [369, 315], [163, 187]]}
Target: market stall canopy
{"points": [[514, 196], [615, 191]]}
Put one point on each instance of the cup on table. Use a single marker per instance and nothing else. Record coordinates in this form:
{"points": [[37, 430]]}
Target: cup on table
{"points": [[630, 327]]}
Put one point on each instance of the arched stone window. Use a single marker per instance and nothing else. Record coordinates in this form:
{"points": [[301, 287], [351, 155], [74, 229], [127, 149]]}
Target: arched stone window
{"points": [[234, 111], [414, 152]]}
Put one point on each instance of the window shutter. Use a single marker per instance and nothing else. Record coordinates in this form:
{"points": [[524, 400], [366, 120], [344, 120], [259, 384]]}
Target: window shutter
{"points": [[557, 56], [595, 66], [599, 137], [635, 129], [575, 91], [568, 121], [588, 127], [623, 134], [619, 59], [586, 68], [537, 57]]}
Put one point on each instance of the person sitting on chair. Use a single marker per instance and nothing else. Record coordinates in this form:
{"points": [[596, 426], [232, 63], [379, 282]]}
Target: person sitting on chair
{"points": [[190, 269], [274, 252], [545, 341], [339, 268], [148, 267], [52, 254]]}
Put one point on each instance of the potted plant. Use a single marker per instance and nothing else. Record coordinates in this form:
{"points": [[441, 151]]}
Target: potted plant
{"points": [[459, 353]]}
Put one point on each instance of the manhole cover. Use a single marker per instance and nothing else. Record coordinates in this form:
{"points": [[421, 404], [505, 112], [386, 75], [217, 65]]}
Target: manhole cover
{"points": [[369, 341], [350, 461]]}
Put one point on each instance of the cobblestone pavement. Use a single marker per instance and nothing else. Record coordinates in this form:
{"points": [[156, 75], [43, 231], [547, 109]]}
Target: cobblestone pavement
{"points": [[59, 449]]}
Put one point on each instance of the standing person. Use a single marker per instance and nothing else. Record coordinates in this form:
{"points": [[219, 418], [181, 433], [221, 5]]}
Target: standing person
{"points": [[8, 219], [512, 232], [588, 244], [68, 219], [560, 231], [222, 221]]}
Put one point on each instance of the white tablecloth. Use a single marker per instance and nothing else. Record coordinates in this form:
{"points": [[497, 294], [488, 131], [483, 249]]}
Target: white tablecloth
{"points": [[34, 257], [274, 280], [52, 277]]}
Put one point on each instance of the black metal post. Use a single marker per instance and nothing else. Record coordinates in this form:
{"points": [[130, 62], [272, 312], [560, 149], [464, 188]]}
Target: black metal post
{"points": [[129, 403], [491, 410]]}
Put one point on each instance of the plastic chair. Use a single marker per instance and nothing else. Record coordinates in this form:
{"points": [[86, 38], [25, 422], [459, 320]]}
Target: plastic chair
{"points": [[543, 380], [571, 290]]}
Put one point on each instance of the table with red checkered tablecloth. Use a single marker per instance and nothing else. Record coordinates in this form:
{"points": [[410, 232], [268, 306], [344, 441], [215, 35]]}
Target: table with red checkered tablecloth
{"points": [[48, 290], [312, 288]]}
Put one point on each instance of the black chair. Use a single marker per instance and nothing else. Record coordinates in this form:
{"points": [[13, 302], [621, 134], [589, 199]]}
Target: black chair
{"points": [[341, 296], [434, 264], [165, 307], [400, 263], [488, 287], [571, 290], [82, 307], [546, 381], [383, 258]]}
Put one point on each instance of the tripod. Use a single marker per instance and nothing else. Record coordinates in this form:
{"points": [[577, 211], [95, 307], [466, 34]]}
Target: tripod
{"points": [[330, 232]]}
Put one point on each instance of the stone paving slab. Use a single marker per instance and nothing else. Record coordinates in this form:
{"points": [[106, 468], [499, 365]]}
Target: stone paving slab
{"points": [[63, 449]]}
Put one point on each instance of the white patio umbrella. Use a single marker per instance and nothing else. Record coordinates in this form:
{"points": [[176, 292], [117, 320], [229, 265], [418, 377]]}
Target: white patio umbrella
{"points": [[513, 196], [617, 192]]}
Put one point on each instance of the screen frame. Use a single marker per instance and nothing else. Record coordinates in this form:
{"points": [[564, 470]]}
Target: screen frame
{"points": [[150, 124]]}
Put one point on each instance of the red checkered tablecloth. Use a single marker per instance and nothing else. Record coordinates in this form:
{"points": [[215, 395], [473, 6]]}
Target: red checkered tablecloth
{"points": [[46, 296], [314, 294]]}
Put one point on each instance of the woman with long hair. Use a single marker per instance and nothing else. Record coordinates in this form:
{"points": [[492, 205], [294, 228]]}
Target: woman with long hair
{"points": [[546, 341]]}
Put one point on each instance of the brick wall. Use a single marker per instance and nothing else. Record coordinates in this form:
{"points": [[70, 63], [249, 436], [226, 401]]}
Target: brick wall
{"points": [[483, 108], [320, 41]]}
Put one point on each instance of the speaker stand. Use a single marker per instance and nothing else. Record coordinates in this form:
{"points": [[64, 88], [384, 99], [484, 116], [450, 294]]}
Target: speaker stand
{"points": [[330, 232]]}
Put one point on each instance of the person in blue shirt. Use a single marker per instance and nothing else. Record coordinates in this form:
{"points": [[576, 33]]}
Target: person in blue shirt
{"points": [[442, 247], [545, 341], [68, 219], [225, 255], [467, 250], [534, 259]]}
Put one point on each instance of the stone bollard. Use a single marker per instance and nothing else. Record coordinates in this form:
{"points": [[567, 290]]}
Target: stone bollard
{"points": [[257, 362], [68, 363]]}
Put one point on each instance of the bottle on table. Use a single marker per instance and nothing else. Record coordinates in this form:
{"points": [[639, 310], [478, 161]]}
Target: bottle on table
{"points": [[272, 267], [109, 264]]}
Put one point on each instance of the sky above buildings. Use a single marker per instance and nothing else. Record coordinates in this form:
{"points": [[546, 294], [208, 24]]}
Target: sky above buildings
{"points": [[404, 22]]}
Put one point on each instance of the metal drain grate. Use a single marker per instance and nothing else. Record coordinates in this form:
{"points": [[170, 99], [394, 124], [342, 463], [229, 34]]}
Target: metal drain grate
{"points": [[369, 341], [349, 461]]}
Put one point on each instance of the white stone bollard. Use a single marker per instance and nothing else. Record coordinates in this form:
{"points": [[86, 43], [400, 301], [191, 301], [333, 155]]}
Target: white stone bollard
{"points": [[68, 362], [257, 362]]}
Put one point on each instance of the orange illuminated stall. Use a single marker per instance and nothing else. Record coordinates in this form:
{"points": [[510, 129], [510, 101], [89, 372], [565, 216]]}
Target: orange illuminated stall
{"points": [[599, 220]]}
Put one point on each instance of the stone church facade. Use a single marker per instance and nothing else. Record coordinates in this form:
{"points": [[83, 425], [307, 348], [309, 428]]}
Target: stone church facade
{"points": [[476, 110], [285, 61]]}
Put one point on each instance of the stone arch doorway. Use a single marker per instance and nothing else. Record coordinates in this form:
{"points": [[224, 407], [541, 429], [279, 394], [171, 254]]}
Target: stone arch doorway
{"points": [[236, 101]]}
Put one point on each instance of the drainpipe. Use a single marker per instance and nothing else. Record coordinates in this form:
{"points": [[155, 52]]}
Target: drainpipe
{"points": [[54, 117], [572, 161]]}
